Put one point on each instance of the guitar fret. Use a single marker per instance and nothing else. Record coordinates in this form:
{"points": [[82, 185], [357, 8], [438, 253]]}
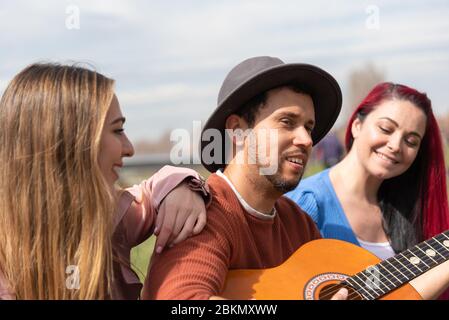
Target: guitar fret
{"points": [[396, 279], [427, 255], [400, 273], [415, 260], [442, 245], [444, 253], [436, 251], [445, 258], [431, 253], [356, 285], [415, 268], [369, 282], [374, 282], [363, 287], [397, 259], [394, 284]]}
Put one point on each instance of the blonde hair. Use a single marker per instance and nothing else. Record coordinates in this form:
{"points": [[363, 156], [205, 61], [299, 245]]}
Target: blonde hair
{"points": [[56, 209]]}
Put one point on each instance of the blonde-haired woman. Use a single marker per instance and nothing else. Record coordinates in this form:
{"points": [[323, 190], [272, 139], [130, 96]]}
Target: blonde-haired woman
{"points": [[65, 230]]}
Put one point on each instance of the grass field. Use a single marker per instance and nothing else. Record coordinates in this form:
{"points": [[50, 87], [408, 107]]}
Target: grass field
{"points": [[140, 257]]}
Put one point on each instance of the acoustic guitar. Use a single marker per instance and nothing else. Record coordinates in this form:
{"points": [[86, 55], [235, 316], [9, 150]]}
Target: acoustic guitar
{"points": [[318, 269]]}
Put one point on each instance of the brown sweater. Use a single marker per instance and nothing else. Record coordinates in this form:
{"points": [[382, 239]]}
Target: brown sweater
{"points": [[232, 239]]}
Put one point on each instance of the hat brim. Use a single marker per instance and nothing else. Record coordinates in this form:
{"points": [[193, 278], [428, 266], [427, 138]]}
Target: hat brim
{"points": [[325, 91]]}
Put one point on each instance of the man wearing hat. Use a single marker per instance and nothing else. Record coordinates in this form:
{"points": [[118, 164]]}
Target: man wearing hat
{"points": [[250, 224]]}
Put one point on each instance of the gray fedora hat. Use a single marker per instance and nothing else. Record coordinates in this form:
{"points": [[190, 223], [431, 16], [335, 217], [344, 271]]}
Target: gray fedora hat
{"points": [[260, 74]]}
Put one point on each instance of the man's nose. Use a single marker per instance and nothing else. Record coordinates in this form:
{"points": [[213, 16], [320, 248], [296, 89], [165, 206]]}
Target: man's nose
{"points": [[303, 138]]}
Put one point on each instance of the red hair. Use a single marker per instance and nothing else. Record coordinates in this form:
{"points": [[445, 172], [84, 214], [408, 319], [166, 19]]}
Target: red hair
{"points": [[427, 172]]}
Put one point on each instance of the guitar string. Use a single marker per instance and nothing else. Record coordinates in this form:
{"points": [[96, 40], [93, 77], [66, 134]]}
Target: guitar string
{"points": [[357, 292], [369, 293], [424, 258], [407, 259], [333, 291], [374, 291]]}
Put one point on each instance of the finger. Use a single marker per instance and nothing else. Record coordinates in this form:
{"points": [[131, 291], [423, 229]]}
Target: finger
{"points": [[166, 229], [200, 222], [186, 230], [342, 294], [181, 217], [160, 218]]}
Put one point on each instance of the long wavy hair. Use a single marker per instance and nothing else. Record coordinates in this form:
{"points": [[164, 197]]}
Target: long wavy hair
{"points": [[414, 204], [56, 208]]}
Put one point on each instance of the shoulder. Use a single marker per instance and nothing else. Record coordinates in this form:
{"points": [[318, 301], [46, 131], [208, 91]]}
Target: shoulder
{"points": [[285, 204], [311, 188], [314, 182], [288, 209], [310, 194], [223, 197], [225, 214]]}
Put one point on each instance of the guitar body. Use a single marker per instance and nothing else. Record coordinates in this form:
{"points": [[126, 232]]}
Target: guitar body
{"points": [[308, 274]]}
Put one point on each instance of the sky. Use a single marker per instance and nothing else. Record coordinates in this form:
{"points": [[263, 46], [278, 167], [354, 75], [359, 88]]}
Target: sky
{"points": [[169, 58]]}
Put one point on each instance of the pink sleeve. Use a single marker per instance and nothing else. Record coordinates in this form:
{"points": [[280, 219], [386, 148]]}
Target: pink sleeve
{"points": [[138, 216]]}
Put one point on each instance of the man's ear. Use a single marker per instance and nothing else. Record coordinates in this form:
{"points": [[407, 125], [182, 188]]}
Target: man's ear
{"points": [[235, 122], [238, 126], [356, 127]]}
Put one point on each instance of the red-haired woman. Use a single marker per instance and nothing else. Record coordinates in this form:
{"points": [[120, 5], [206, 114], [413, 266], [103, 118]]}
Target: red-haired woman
{"points": [[389, 191]]}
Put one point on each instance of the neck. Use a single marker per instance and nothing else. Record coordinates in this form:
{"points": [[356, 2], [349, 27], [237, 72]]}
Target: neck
{"points": [[252, 187], [361, 185]]}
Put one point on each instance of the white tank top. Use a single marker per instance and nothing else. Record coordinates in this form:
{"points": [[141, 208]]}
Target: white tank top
{"points": [[382, 250]]}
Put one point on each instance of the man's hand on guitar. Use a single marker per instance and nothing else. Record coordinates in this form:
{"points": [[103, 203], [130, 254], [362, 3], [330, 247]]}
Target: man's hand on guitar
{"points": [[342, 294]]}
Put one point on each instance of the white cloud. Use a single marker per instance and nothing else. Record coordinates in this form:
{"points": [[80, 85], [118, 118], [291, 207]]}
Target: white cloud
{"points": [[175, 93], [175, 54]]}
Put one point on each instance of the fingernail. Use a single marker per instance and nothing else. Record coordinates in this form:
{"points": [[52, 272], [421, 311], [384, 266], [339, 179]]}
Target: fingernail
{"points": [[155, 230], [159, 249]]}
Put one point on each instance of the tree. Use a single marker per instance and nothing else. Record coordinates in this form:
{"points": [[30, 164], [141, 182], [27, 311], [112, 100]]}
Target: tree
{"points": [[361, 81]]}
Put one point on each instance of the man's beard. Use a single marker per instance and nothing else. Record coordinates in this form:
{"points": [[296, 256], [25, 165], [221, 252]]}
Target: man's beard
{"points": [[282, 185]]}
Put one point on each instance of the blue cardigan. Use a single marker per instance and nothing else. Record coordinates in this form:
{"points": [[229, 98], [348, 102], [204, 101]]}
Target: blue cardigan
{"points": [[316, 196]]}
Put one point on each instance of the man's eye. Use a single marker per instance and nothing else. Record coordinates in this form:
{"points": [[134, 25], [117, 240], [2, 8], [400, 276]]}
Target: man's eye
{"points": [[119, 131], [286, 121]]}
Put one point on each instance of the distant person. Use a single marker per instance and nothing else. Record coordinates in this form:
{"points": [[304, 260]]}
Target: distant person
{"points": [[65, 231], [330, 150], [389, 191]]}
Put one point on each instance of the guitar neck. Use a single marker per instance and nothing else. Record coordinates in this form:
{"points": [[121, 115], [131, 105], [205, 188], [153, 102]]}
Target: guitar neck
{"points": [[380, 279]]}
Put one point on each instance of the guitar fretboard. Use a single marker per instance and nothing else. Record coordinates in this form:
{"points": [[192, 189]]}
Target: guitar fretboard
{"points": [[391, 273]]}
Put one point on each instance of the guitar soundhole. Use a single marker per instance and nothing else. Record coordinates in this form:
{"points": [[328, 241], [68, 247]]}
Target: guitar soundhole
{"points": [[328, 291]]}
